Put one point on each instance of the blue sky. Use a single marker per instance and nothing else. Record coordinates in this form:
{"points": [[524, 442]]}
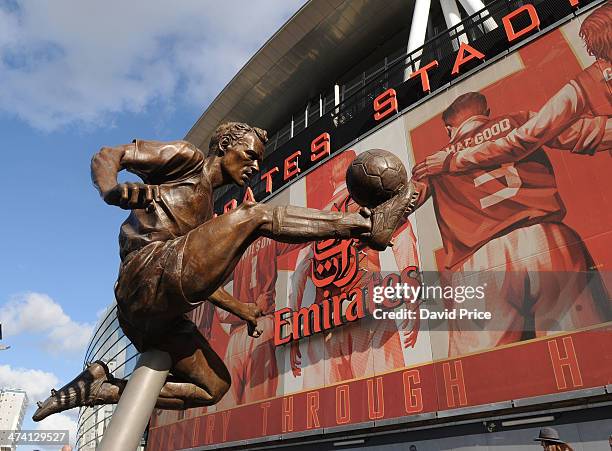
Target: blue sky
{"points": [[75, 76]]}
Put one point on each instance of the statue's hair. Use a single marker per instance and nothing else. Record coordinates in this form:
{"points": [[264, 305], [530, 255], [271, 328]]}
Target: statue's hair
{"points": [[596, 31], [234, 131], [474, 102]]}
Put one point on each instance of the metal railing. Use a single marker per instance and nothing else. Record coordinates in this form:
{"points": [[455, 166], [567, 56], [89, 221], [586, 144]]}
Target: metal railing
{"points": [[492, 43]]}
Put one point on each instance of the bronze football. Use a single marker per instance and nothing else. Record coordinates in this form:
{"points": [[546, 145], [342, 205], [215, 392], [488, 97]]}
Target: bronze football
{"points": [[375, 176]]}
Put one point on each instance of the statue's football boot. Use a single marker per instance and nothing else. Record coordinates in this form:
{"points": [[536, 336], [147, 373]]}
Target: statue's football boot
{"points": [[388, 216], [84, 390]]}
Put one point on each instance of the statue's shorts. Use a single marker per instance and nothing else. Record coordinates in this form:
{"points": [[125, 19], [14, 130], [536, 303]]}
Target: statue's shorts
{"points": [[150, 300]]}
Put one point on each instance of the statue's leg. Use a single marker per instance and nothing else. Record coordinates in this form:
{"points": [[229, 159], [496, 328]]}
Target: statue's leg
{"points": [[205, 257], [199, 376], [212, 250]]}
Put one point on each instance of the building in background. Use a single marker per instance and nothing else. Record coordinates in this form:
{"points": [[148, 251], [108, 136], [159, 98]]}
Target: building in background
{"points": [[13, 404], [354, 75]]}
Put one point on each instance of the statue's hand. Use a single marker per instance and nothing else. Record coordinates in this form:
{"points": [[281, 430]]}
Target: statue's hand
{"points": [[252, 313], [132, 196]]}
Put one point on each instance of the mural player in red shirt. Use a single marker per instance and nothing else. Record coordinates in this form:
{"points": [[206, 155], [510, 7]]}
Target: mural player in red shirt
{"points": [[353, 350], [251, 361], [501, 227], [578, 117]]}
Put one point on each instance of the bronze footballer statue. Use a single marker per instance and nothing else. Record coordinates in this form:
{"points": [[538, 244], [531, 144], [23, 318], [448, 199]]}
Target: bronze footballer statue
{"points": [[175, 255]]}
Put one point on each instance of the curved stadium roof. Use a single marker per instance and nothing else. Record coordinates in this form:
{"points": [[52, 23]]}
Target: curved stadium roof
{"points": [[323, 39]]}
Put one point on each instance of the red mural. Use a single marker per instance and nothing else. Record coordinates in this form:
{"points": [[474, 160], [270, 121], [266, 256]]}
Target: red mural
{"points": [[526, 216]]}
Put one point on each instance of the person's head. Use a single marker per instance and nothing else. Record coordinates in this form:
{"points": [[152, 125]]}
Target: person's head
{"points": [[597, 32], [240, 147], [464, 107], [550, 441]]}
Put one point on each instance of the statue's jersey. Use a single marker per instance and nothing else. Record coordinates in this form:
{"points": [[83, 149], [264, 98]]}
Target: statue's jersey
{"points": [[185, 191], [474, 207]]}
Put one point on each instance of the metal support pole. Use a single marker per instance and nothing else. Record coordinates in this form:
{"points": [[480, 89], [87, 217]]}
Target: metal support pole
{"points": [[137, 402], [452, 17], [473, 6], [320, 105], [418, 30], [336, 103]]}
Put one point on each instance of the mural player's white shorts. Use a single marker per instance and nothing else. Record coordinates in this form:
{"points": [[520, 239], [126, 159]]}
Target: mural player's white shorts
{"points": [[538, 280]]}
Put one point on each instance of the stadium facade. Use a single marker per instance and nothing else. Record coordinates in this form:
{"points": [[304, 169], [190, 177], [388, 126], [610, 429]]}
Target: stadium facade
{"points": [[526, 219]]}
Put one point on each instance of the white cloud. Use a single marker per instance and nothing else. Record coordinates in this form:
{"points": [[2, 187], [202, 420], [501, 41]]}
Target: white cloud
{"points": [[65, 62], [36, 383], [36, 313]]}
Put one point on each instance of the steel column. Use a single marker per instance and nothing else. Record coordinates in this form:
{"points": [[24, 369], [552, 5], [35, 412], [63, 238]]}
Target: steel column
{"points": [[137, 402]]}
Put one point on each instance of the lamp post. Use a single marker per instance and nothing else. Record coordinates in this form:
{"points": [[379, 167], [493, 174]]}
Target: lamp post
{"points": [[3, 347]]}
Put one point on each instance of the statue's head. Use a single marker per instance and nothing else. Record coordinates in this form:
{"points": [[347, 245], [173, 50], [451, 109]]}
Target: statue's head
{"points": [[241, 148]]}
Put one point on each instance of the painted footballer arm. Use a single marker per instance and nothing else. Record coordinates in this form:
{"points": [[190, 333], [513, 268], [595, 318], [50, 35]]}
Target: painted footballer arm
{"points": [[298, 286], [586, 136], [406, 255], [559, 113], [267, 298], [560, 123], [248, 312]]}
